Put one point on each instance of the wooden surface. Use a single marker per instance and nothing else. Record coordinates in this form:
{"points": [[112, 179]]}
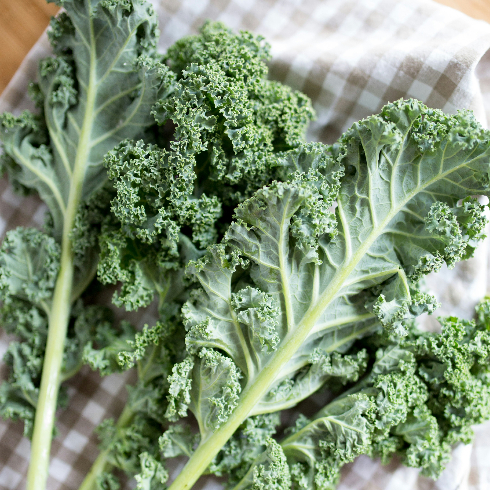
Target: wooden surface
{"points": [[478, 9], [23, 21], [21, 24]]}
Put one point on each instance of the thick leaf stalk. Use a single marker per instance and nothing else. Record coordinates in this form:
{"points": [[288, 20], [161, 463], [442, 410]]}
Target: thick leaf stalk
{"points": [[52, 368]]}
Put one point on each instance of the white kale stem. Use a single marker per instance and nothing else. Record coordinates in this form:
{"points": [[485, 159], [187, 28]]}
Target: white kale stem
{"points": [[61, 305], [50, 380]]}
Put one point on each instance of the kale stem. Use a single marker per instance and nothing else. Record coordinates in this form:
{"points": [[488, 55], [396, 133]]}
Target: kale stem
{"points": [[50, 379], [62, 300], [101, 464]]}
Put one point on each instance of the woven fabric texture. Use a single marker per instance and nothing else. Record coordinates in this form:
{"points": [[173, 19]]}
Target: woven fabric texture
{"points": [[351, 57]]}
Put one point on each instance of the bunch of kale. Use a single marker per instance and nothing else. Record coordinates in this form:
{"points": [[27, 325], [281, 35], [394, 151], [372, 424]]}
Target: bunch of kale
{"points": [[278, 268]]}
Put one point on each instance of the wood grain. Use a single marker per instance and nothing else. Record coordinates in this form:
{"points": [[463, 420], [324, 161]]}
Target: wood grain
{"points": [[21, 24], [23, 21]]}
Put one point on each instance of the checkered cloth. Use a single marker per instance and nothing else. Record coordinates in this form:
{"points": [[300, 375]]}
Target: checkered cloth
{"points": [[350, 57]]}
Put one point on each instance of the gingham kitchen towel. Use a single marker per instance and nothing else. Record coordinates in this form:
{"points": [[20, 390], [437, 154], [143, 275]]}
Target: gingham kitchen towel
{"points": [[351, 57]]}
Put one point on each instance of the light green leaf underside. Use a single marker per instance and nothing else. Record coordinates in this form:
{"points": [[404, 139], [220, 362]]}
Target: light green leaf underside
{"points": [[92, 99], [397, 218]]}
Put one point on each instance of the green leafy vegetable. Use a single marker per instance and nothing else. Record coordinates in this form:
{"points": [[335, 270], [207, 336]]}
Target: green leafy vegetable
{"points": [[132, 443], [397, 218], [165, 201], [279, 267], [226, 128], [420, 398], [98, 90]]}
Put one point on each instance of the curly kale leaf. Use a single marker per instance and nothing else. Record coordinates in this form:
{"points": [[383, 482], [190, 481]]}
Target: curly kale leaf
{"points": [[227, 115], [82, 118], [211, 396], [145, 270], [101, 352], [353, 423], [245, 446], [152, 475], [455, 367], [177, 440], [29, 265], [132, 443], [230, 131], [19, 394], [128, 445], [97, 89], [398, 217], [420, 397], [87, 227], [443, 390]]}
